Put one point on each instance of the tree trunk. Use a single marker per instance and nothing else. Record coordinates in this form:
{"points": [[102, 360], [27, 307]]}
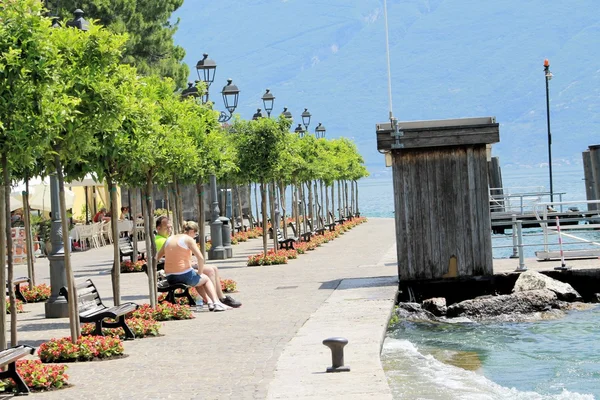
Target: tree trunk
{"points": [[311, 207], [297, 208], [274, 219], [345, 183], [179, 200], [151, 261], [73, 305], [28, 237], [303, 207], [256, 203], [323, 204], [263, 201], [201, 221], [340, 206], [174, 206], [116, 271], [356, 194], [9, 254], [3, 220], [250, 213], [332, 201], [167, 202], [282, 188], [238, 189], [133, 216], [327, 206]]}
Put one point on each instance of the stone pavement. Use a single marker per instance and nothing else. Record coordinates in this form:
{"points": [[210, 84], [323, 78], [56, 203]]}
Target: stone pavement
{"points": [[269, 348]]}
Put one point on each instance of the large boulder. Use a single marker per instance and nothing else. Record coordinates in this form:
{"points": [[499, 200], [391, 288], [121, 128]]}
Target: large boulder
{"points": [[485, 307], [436, 305], [532, 280], [413, 312]]}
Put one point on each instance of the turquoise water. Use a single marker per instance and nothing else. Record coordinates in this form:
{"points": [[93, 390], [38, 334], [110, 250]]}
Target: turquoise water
{"points": [[557, 359]]}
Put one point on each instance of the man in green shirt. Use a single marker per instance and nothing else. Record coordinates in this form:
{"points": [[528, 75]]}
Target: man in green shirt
{"points": [[163, 231]]}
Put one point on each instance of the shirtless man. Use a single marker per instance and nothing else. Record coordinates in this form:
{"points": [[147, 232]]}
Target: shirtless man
{"points": [[163, 229], [178, 250]]}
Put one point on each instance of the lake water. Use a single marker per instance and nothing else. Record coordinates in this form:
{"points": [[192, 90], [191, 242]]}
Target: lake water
{"points": [[535, 361]]}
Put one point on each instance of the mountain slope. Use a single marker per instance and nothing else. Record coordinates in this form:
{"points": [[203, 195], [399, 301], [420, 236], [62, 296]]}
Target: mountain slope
{"points": [[449, 59]]}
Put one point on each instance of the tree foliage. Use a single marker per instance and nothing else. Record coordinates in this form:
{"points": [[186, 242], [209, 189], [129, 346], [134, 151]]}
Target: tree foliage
{"points": [[150, 46]]}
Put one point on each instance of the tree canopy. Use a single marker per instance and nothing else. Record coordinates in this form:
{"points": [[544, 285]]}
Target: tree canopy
{"points": [[150, 46]]}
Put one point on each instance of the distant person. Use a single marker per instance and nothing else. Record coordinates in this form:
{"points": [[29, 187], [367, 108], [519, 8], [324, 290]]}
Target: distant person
{"points": [[124, 213], [178, 250], [101, 216], [163, 232]]}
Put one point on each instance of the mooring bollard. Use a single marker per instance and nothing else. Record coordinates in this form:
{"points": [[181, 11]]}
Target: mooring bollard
{"points": [[336, 344]]}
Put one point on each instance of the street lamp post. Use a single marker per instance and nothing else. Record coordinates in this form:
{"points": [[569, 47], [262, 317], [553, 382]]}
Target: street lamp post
{"points": [[268, 101], [286, 114], [206, 69], [320, 131], [306, 118], [548, 76], [299, 130], [257, 114], [56, 306]]}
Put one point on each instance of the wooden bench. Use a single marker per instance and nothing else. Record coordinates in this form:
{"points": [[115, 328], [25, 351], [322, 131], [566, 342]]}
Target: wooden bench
{"points": [[8, 358], [17, 282], [284, 243], [165, 287], [91, 309], [306, 236], [126, 249], [320, 231]]}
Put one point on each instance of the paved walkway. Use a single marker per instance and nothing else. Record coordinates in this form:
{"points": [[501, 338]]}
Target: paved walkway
{"points": [[269, 348]]}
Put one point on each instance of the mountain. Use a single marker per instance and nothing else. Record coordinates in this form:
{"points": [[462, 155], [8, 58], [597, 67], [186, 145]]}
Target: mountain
{"points": [[449, 59]]}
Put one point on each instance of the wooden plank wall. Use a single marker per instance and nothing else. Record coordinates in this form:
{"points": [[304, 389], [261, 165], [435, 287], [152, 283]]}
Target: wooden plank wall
{"points": [[442, 212]]}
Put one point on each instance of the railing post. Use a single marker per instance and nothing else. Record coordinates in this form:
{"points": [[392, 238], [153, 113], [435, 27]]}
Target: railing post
{"points": [[514, 236], [521, 197], [521, 266]]}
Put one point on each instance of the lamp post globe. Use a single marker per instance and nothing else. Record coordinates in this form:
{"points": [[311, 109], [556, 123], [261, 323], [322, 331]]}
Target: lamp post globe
{"points": [[320, 131], [548, 76], [286, 114], [306, 118], [206, 69], [268, 101], [299, 130], [230, 94], [257, 114], [78, 21]]}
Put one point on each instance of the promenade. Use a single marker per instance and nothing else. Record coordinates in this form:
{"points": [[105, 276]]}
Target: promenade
{"points": [[271, 347]]}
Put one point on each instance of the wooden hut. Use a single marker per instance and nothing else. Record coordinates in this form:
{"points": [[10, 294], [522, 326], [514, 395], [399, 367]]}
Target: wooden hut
{"points": [[441, 197]]}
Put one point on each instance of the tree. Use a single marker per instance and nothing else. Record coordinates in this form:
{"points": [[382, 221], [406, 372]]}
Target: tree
{"points": [[27, 59], [260, 145], [150, 46]]}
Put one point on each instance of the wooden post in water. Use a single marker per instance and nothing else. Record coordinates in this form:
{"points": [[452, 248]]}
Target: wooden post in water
{"points": [[441, 196], [595, 166], [590, 192], [496, 188]]}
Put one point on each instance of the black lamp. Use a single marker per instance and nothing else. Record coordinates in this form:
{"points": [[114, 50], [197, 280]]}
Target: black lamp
{"points": [[268, 100], [320, 131], [306, 118]]}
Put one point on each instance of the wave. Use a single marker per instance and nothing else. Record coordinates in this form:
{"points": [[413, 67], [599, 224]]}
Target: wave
{"points": [[416, 376]]}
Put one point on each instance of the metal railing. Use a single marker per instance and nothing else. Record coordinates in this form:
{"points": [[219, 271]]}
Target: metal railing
{"points": [[543, 211], [515, 200]]}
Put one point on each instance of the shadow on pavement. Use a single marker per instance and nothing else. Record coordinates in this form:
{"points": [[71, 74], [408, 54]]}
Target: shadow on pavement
{"points": [[43, 326], [353, 283]]}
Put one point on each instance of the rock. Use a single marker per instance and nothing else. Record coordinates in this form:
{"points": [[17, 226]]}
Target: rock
{"points": [[492, 306], [413, 312], [532, 280], [436, 305]]}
